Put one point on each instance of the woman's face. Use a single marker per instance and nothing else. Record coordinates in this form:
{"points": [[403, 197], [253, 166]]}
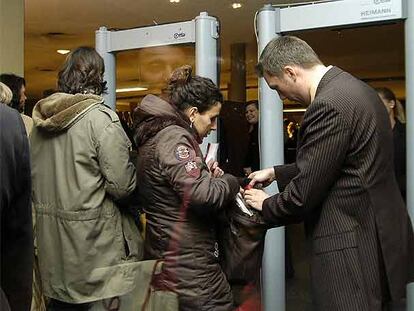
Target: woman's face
{"points": [[206, 122], [252, 114], [22, 98]]}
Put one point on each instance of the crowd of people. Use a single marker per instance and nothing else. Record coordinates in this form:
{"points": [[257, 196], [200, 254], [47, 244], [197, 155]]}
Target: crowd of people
{"points": [[72, 164]]}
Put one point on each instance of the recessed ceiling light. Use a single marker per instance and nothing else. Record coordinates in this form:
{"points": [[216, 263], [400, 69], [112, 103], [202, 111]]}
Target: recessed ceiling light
{"points": [[174, 1], [63, 52], [236, 5], [294, 110], [131, 89]]}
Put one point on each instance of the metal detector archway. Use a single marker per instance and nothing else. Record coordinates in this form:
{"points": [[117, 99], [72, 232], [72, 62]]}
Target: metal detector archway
{"points": [[275, 21], [203, 31]]}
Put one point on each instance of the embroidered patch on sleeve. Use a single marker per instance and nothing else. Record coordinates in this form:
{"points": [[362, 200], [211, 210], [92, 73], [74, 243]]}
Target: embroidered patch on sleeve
{"points": [[182, 153], [192, 169]]}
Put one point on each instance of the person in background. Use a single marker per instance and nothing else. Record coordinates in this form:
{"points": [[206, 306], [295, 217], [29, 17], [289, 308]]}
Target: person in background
{"points": [[16, 235], [87, 246], [17, 85], [252, 164], [181, 195], [359, 231], [399, 112], [6, 94], [398, 132], [252, 161]]}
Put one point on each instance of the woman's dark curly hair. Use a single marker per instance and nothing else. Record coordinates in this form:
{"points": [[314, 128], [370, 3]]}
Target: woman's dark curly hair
{"points": [[15, 84], [185, 91], [82, 72]]}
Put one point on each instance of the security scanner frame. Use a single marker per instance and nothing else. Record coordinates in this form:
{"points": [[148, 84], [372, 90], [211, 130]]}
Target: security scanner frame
{"points": [[275, 21], [203, 31]]}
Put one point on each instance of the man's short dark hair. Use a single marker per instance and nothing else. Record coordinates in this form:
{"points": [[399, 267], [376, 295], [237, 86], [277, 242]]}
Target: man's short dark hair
{"points": [[284, 51]]}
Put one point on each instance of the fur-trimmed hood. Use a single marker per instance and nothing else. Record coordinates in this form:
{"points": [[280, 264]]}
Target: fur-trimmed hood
{"points": [[155, 114], [60, 111]]}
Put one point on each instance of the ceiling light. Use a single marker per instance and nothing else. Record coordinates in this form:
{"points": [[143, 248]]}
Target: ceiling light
{"points": [[174, 1], [235, 5], [63, 52], [131, 89], [294, 110]]}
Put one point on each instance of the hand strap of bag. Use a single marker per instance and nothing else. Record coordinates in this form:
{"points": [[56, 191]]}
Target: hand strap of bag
{"points": [[148, 295]]}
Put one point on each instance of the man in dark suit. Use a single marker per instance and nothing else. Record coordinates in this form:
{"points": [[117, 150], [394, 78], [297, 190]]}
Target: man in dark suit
{"points": [[16, 255], [342, 184]]}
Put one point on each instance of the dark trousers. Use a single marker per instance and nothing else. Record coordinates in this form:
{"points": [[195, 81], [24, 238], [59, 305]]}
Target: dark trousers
{"points": [[56, 305]]}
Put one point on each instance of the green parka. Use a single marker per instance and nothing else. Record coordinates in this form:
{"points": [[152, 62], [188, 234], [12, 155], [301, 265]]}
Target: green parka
{"points": [[87, 246]]}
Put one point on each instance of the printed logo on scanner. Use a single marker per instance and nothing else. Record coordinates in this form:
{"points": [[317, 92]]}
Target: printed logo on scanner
{"points": [[179, 35]]}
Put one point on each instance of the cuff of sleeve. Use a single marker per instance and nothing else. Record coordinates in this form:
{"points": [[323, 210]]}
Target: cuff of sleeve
{"points": [[267, 209], [283, 175], [233, 184]]}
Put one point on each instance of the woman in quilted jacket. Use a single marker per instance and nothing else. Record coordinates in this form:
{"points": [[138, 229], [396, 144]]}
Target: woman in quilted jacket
{"points": [[182, 195]]}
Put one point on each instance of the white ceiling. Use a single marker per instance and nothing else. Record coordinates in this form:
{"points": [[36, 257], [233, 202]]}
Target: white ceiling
{"points": [[374, 52]]}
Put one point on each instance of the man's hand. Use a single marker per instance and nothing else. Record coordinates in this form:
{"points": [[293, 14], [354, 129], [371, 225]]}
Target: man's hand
{"points": [[265, 177], [255, 198]]}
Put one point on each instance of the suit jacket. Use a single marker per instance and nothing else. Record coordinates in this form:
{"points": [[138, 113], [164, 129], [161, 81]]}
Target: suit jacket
{"points": [[16, 256], [344, 189]]}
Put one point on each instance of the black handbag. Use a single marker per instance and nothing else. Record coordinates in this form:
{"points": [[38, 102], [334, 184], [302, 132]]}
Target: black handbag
{"points": [[242, 242]]}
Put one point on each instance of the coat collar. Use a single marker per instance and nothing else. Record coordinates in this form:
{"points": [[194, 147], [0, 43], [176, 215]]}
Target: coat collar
{"points": [[60, 111], [327, 77], [154, 114]]}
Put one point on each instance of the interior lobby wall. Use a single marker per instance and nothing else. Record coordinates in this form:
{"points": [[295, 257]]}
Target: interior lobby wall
{"points": [[12, 36]]}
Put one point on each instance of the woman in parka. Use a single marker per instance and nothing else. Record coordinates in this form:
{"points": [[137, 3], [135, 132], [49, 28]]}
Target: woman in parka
{"points": [[180, 195], [86, 245]]}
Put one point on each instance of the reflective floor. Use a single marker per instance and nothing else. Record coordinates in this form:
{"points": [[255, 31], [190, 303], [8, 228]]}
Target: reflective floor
{"points": [[297, 288]]}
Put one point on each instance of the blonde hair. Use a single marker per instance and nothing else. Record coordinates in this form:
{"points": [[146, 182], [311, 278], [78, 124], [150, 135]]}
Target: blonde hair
{"points": [[6, 94], [399, 112]]}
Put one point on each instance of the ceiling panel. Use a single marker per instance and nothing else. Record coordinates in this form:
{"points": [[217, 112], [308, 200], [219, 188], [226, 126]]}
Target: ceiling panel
{"points": [[375, 53]]}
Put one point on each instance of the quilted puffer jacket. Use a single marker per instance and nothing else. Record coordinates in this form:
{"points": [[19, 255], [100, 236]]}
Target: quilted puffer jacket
{"points": [[181, 201]]}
